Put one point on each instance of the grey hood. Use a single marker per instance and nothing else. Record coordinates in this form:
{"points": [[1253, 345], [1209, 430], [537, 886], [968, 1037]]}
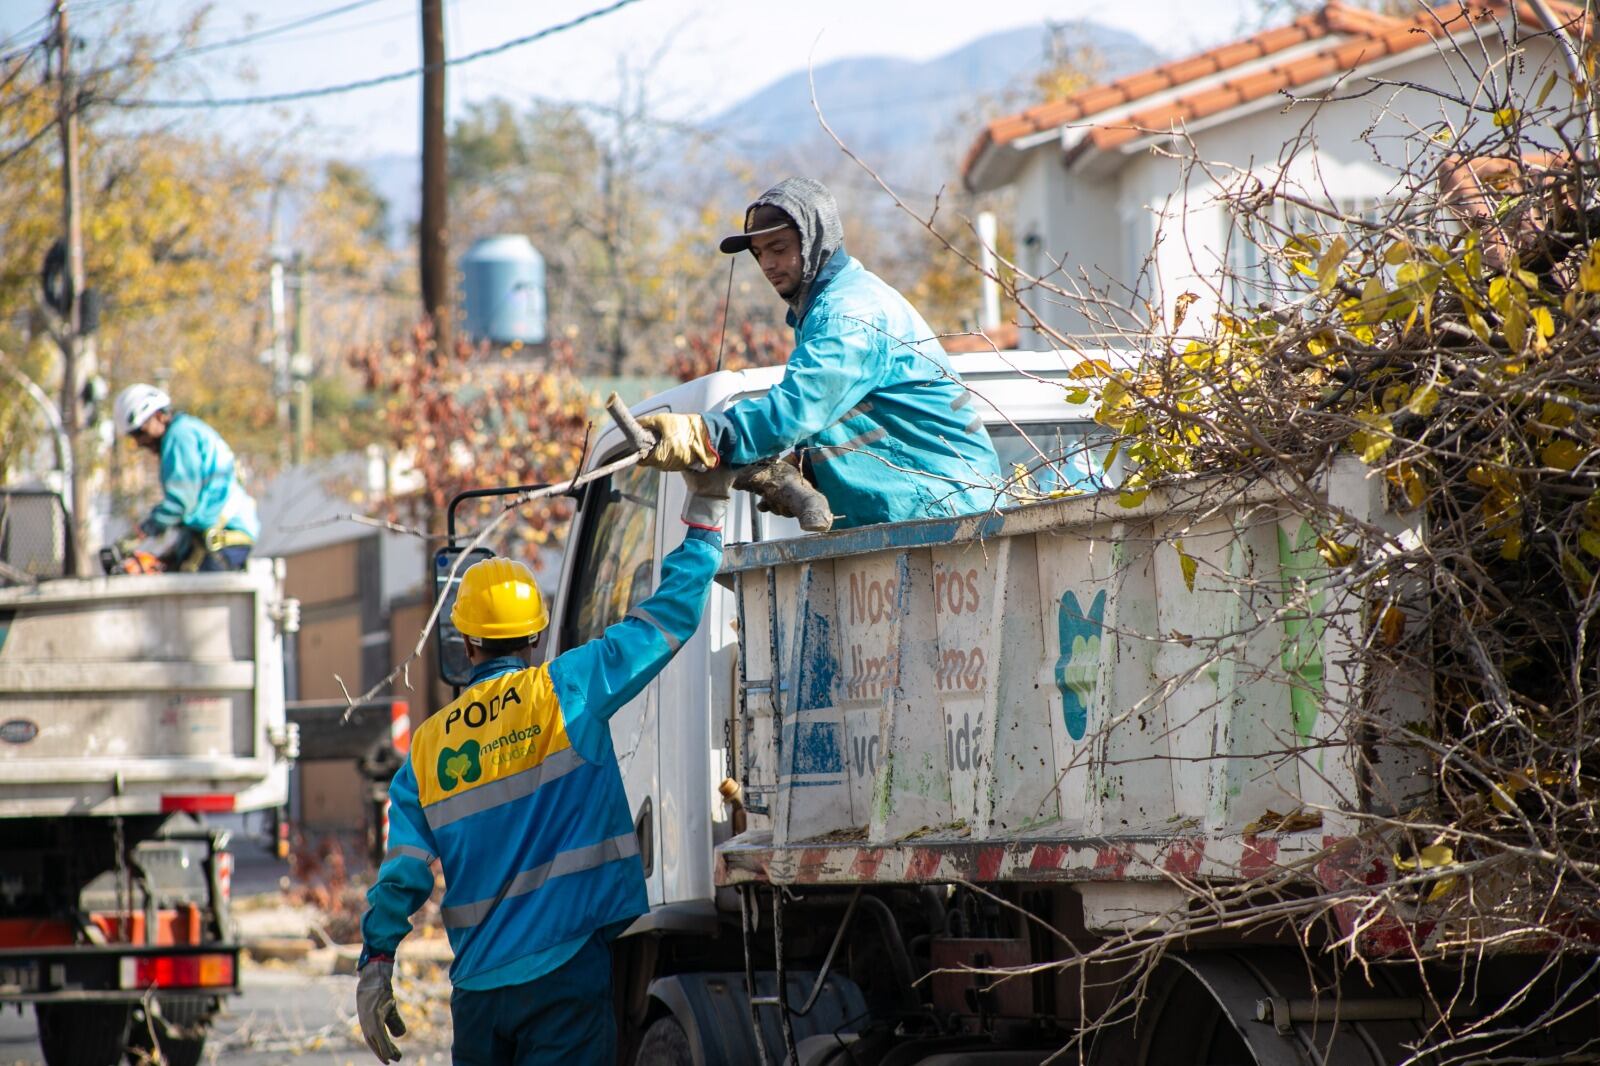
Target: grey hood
{"points": [[809, 203]]}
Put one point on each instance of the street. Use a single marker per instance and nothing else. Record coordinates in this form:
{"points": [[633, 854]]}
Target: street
{"points": [[286, 1015]]}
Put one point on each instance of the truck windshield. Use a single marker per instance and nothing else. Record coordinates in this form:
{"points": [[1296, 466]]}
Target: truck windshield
{"points": [[1076, 452], [616, 561]]}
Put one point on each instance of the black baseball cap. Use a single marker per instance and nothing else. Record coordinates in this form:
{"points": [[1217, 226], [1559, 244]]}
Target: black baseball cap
{"points": [[758, 219]]}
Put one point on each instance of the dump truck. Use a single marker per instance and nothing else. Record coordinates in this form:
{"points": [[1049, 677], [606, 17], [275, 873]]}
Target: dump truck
{"points": [[131, 707], [906, 776]]}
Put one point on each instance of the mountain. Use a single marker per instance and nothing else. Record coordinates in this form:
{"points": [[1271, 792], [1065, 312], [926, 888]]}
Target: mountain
{"points": [[911, 119], [908, 115]]}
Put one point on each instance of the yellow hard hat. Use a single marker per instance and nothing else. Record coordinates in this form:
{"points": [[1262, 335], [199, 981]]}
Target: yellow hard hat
{"points": [[498, 600]]}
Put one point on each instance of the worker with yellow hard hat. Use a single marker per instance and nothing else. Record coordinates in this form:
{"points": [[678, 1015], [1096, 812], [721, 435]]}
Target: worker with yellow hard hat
{"points": [[514, 789]]}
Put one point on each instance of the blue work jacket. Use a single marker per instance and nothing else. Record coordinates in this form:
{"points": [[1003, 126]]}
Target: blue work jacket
{"points": [[515, 789], [199, 488], [886, 425]]}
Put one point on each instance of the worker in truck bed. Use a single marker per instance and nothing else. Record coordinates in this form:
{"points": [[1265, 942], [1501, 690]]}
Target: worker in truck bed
{"points": [[200, 492], [883, 424], [514, 789]]}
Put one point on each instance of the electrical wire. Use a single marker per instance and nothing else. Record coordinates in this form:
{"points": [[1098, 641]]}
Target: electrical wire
{"points": [[269, 31], [368, 83]]}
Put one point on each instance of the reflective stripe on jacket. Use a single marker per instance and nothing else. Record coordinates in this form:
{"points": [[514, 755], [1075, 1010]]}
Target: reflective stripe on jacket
{"points": [[515, 788], [869, 391], [199, 489]]}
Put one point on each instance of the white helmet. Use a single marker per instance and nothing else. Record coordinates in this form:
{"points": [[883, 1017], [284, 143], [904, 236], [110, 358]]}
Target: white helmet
{"points": [[136, 403]]}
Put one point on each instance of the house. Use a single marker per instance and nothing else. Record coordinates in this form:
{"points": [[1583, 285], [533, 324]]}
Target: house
{"points": [[1109, 191]]}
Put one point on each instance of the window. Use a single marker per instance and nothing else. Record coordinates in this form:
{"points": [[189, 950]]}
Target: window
{"points": [[1257, 271], [616, 563], [1076, 450]]}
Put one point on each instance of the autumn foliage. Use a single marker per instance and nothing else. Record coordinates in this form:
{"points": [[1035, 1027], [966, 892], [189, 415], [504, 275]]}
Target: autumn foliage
{"points": [[476, 417]]}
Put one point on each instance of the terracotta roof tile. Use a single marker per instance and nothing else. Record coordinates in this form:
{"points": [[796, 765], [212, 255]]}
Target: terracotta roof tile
{"points": [[1354, 36]]}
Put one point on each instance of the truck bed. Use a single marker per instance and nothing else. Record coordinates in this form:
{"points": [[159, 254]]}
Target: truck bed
{"points": [[142, 694], [1071, 691]]}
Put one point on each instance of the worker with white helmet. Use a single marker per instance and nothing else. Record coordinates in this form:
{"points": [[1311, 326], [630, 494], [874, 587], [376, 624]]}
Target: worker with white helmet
{"points": [[200, 492]]}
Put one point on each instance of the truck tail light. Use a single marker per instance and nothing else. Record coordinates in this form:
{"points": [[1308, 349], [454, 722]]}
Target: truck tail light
{"points": [[198, 803], [178, 971]]}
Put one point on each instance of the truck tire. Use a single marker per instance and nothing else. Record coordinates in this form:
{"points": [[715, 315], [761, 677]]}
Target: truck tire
{"points": [[664, 1044], [180, 1032], [82, 1034]]}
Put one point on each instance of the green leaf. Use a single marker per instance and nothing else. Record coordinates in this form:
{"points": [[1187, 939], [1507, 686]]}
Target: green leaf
{"points": [[1078, 395]]}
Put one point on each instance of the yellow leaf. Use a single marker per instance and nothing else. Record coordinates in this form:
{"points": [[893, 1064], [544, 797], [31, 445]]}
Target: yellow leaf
{"points": [[1180, 308], [1334, 553], [1562, 453], [1576, 572], [1431, 857], [1078, 395], [1557, 415], [1424, 400], [1372, 442], [1133, 497], [1589, 270], [1190, 565], [1544, 327], [1412, 485], [1506, 116], [1328, 265], [1589, 541], [1511, 546], [1090, 368], [1391, 625], [1546, 89], [1397, 253]]}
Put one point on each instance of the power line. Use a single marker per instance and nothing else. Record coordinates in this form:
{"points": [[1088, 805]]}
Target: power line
{"points": [[384, 79], [269, 31]]}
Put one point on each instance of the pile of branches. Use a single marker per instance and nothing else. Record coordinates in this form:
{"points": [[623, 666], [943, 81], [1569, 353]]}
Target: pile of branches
{"points": [[1450, 342]]}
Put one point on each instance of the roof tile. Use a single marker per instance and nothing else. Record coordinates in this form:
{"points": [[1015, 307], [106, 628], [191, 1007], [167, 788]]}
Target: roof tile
{"points": [[1353, 35]]}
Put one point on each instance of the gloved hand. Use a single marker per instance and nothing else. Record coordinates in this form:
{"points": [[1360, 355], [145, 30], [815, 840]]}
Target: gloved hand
{"points": [[708, 496], [376, 1008], [682, 442]]}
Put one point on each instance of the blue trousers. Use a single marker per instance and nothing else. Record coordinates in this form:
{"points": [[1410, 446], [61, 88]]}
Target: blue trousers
{"points": [[564, 1018]]}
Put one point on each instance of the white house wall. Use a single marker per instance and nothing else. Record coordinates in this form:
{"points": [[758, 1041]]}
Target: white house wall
{"points": [[1078, 236], [1102, 222]]}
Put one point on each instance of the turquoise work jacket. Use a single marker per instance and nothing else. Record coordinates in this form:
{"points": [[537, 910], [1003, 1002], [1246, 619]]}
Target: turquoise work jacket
{"points": [[200, 489], [514, 788], [884, 422]]}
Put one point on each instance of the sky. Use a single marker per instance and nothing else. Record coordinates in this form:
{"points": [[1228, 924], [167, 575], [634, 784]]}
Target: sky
{"points": [[703, 55]]}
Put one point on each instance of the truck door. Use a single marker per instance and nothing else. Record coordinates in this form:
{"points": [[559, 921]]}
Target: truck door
{"points": [[617, 553]]}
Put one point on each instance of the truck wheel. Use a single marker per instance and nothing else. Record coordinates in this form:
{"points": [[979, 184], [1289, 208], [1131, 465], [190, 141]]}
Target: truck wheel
{"points": [[82, 1034], [180, 1033], [665, 1044]]}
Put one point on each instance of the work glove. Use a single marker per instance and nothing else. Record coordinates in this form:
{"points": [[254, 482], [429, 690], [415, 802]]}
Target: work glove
{"points": [[707, 504], [376, 1008], [682, 442], [782, 490]]}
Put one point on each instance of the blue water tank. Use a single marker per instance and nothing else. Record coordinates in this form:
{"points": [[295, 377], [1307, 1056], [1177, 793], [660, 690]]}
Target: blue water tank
{"points": [[502, 290]]}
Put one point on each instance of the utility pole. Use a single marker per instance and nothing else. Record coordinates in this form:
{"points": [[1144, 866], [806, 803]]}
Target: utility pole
{"points": [[76, 561], [280, 353], [300, 361], [434, 252]]}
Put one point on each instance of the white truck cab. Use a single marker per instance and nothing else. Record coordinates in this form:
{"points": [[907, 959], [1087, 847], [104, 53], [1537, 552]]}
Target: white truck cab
{"points": [[671, 741]]}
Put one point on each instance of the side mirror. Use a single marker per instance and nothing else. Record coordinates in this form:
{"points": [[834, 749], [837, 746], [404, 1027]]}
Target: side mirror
{"points": [[450, 647]]}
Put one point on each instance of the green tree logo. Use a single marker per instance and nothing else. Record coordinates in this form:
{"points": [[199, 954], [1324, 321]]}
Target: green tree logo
{"points": [[459, 764]]}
